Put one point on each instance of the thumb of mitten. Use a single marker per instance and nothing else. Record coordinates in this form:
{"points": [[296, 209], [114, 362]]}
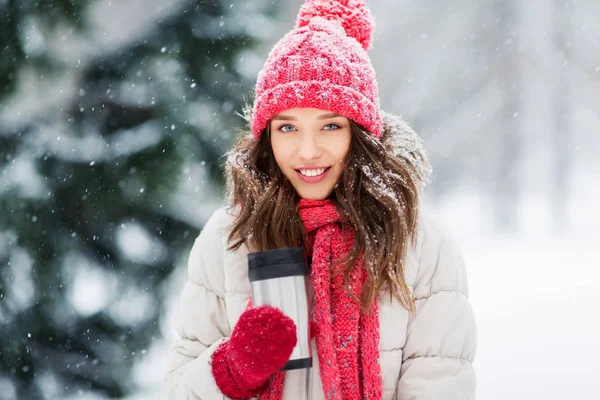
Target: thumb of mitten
{"points": [[262, 342]]}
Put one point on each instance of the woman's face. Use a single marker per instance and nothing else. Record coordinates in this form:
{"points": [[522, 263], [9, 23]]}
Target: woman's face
{"points": [[310, 147]]}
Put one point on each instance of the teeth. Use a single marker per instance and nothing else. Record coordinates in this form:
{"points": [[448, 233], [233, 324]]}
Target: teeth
{"points": [[312, 172]]}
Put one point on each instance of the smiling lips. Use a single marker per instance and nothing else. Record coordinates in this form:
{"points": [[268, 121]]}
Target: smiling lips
{"points": [[312, 172], [312, 175]]}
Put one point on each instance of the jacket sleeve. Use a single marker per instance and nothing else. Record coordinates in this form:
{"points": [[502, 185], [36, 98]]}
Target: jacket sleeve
{"points": [[201, 319], [441, 338]]}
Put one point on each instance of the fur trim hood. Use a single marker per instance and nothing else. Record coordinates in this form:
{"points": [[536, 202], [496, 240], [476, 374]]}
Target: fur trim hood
{"points": [[406, 144]]}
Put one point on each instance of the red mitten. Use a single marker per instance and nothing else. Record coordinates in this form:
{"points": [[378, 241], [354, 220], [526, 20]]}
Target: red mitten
{"points": [[261, 343]]}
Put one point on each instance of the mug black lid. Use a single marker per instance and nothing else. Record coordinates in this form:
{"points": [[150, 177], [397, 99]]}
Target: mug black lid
{"points": [[277, 263]]}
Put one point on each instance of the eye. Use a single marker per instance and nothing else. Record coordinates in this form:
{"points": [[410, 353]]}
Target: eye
{"points": [[335, 126], [283, 128]]}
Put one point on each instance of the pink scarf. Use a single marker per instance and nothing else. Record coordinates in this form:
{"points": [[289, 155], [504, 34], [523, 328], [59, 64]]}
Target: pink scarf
{"points": [[347, 342]]}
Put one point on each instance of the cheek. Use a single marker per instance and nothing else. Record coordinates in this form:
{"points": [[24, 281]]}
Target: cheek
{"points": [[281, 153], [343, 149]]}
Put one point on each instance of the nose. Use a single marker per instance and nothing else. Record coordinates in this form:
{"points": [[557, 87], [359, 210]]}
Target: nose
{"points": [[309, 147]]}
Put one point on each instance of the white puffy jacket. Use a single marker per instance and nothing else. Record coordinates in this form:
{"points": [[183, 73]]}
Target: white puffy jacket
{"points": [[426, 357]]}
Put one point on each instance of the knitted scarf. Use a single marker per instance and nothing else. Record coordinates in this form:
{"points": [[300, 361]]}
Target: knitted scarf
{"points": [[347, 341]]}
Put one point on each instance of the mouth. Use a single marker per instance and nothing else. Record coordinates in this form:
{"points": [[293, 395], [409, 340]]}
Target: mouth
{"points": [[313, 175]]}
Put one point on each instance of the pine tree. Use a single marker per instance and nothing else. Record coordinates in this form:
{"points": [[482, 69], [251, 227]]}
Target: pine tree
{"points": [[93, 209]]}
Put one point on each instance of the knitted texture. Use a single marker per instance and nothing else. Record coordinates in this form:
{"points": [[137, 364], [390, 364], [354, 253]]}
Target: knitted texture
{"points": [[322, 64], [354, 17], [261, 343], [347, 341]]}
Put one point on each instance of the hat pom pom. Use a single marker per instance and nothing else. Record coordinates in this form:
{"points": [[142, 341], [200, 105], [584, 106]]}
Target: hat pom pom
{"points": [[353, 15]]}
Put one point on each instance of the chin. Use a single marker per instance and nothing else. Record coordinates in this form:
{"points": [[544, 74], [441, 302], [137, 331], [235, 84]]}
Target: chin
{"points": [[314, 194], [315, 197]]}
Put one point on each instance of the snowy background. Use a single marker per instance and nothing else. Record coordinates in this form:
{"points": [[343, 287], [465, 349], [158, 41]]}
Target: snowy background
{"points": [[504, 93]]}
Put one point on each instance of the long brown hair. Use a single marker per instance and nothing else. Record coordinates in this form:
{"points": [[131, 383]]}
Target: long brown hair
{"points": [[378, 193]]}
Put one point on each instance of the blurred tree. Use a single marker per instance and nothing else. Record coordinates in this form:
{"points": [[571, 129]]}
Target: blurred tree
{"points": [[562, 165], [93, 209], [20, 19], [509, 136]]}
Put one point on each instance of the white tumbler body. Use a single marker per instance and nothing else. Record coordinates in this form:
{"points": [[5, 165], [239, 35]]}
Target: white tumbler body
{"points": [[279, 278]]}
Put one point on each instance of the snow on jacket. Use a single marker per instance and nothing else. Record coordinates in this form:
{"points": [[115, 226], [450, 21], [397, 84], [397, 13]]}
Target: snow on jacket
{"points": [[428, 356]]}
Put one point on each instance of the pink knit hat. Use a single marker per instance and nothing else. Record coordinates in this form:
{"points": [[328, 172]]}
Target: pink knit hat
{"points": [[322, 63]]}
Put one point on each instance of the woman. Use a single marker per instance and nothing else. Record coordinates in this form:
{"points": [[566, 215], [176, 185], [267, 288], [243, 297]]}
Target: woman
{"points": [[324, 168]]}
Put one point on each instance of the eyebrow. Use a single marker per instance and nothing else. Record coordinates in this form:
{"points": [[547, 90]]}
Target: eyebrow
{"points": [[290, 118]]}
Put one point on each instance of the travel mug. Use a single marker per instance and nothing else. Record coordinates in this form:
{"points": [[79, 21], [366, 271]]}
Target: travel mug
{"points": [[279, 278]]}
